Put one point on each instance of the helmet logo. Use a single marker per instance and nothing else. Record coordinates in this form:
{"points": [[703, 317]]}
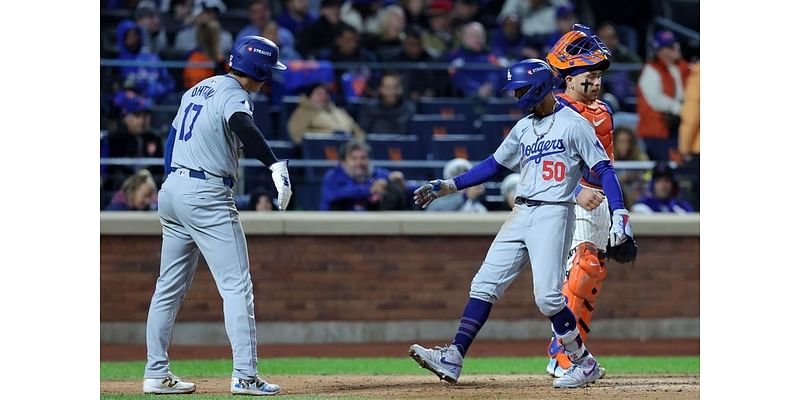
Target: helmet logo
{"points": [[250, 49], [530, 72], [509, 74]]}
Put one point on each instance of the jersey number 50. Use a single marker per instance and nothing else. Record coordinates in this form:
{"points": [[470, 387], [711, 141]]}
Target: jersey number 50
{"points": [[553, 170], [190, 107]]}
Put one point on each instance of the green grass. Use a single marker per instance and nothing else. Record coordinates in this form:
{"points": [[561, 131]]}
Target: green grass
{"points": [[397, 366]]}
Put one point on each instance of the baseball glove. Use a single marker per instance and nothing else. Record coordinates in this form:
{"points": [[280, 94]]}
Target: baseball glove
{"points": [[624, 252]]}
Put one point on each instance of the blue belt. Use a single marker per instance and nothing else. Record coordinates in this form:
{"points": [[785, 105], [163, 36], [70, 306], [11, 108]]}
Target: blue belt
{"points": [[202, 175]]}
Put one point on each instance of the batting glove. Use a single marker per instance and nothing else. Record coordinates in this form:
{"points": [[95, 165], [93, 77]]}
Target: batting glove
{"points": [[280, 177], [620, 227], [433, 190]]}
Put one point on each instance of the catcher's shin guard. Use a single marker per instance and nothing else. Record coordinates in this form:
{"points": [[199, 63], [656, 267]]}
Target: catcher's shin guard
{"points": [[584, 283]]}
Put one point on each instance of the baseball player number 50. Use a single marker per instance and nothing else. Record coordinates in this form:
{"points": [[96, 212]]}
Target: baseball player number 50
{"points": [[553, 170]]}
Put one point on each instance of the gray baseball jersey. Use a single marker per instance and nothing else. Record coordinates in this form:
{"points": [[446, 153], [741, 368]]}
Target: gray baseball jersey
{"points": [[198, 216], [203, 140], [550, 165]]}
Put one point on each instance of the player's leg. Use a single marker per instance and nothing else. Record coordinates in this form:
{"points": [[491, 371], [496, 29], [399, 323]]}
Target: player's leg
{"points": [[547, 261], [586, 272], [178, 262], [504, 261], [218, 233]]}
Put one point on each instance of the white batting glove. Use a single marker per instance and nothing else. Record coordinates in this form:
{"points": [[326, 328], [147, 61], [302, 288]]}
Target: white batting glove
{"points": [[280, 177], [620, 227], [433, 190]]}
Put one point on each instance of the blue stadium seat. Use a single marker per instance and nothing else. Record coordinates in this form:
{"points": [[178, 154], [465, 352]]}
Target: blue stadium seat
{"points": [[502, 106], [496, 127], [629, 119], [322, 146], [470, 147], [395, 147], [446, 106], [428, 126], [268, 118]]}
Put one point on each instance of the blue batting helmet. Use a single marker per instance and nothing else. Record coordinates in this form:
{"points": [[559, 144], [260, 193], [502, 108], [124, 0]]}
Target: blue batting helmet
{"points": [[255, 57], [533, 73]]}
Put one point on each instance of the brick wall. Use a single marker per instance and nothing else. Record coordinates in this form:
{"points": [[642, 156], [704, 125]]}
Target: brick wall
{"points": [[363, 278]]}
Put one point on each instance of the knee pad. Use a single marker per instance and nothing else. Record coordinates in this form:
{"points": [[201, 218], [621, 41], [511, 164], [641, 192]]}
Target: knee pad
{"points": [[584, 283]]}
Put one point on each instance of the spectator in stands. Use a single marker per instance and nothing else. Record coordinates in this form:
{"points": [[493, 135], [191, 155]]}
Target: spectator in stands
{"points": [[689, 133], [203, 12], [565, 18], [660, 97], [178, 17], [620, 84], [353, 82], [619, 53], [626, 148], [414, 11], [391, 112], [420, 82], [663, 194], [391, 24], [508, 40], [362, 15], [467, 200], [154, 83], [464, 12], [508, 188], [316, 112], [355, 185], [296, 16], [260, 200], [146, 16], [260, 15], [321, 34], [438, 40], [538, 16], [208, 50], [133, 138], [482, 83], [285, 42], [138, 193]]}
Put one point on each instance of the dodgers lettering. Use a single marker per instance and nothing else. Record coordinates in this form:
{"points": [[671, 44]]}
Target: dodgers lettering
{"points": [[535, 152]]}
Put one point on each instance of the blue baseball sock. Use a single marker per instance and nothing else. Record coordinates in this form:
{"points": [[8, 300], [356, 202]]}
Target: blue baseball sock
{"points": [[564, 324], [475, 315]]}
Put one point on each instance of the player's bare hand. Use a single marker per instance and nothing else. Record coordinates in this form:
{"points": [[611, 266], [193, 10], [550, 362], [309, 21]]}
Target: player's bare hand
{"points": [[620, 228], [433, 190], [280, 177], [589, 199]]}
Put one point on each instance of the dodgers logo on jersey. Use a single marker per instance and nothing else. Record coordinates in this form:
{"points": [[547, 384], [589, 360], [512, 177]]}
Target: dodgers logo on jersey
{"points": [[534, 152]]}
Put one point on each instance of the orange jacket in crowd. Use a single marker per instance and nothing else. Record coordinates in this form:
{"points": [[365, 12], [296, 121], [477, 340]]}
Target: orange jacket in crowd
{"points": [[652, 124], [689, 133]]}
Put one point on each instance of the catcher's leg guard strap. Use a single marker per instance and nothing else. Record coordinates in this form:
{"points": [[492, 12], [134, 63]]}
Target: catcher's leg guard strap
{"points": [[584, 283]]}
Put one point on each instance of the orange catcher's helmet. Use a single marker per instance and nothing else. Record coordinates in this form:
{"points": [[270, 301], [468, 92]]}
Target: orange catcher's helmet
{"points": [[579, 50]]}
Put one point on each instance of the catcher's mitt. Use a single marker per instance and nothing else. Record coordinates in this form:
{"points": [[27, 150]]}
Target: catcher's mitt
{"points": [[623, 253]]}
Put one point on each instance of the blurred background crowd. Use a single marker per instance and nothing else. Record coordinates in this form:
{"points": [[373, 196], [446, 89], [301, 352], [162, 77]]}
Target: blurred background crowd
{"points": [[382, 95]]}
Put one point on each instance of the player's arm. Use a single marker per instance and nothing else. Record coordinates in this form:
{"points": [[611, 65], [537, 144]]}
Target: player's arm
{"points": [[506, 156], [242, 124]]}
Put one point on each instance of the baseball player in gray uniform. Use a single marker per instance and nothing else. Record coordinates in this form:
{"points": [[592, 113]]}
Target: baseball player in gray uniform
{"points": [[198, 213], [549, 148]]}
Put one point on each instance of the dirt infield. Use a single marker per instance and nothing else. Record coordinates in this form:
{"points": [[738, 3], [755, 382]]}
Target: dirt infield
{"points": [[619, 347], [470, 387]]}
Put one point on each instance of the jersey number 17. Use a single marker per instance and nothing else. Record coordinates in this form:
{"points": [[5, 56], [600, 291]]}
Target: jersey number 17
{"points": [[188, 135]]}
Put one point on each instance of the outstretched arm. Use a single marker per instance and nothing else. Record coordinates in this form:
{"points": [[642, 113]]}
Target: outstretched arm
{"points": [[476, 175]]}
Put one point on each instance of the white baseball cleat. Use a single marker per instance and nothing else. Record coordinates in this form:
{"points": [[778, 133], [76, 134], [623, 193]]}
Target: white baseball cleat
{"points": [[445, 362], [167, 385], [580, 374], [556, 371], [254, 387]]}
